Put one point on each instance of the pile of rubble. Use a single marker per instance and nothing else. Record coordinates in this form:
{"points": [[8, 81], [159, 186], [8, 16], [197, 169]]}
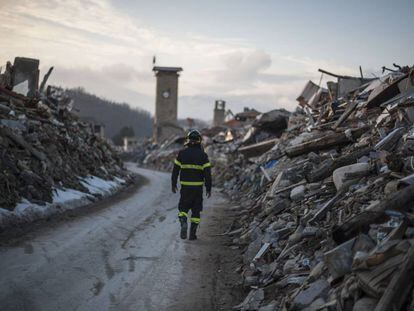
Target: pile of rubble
{"points": [[159, 157], [219, 140], [45, 151], [325, 216], [325, 202]]}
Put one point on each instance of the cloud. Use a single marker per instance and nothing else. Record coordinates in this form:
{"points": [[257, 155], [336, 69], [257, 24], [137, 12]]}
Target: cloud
{"points": [[245, 66], [311, 66], [111, 83], [108, 52]]}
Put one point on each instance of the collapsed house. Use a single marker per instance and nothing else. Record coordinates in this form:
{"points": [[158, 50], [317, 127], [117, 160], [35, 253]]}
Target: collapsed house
{"points": [[324, 196], [46, 151]]}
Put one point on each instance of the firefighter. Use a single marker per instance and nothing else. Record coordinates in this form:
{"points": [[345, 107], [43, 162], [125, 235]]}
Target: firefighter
{"points": [[194, 168]]}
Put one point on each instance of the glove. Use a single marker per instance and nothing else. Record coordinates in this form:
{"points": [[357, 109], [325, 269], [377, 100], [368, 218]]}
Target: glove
{"points": [[208, 194], [174, 189]]}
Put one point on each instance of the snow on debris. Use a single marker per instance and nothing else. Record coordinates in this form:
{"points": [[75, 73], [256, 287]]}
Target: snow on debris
{"points": [[63, 199], [97, 185], [64, 195]]}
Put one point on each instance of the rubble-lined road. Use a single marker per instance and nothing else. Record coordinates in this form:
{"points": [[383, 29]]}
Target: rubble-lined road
{"points": [[125, 257]]}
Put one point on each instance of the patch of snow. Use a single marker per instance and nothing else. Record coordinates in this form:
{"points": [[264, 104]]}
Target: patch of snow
{"points": [[4, 211], [28, 212], [63, 199], [97, 185], [24, 205], [64, 195], [4, 214], [120, 180]]}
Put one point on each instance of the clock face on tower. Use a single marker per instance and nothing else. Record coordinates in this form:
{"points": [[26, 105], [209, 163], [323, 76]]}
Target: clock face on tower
{"points": [[166, 94]]}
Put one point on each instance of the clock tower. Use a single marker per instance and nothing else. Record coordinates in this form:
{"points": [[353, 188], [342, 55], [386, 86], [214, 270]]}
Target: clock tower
{"points": [[166, 103]]}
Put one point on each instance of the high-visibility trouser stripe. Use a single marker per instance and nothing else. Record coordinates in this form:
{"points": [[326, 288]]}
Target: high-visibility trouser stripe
{"points": [[177, 162], [182, 214], [192, 183], [195, 220], [208, 164]]}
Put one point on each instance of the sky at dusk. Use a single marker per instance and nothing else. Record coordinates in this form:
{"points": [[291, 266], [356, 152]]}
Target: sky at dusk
{"points": [[250, 53]]}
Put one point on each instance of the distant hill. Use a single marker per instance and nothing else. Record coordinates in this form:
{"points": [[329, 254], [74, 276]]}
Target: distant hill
{"points": [[113, 115]]}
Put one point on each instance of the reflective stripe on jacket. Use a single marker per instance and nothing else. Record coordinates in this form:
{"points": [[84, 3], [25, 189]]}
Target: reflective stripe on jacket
{"points": [[193, 166]]}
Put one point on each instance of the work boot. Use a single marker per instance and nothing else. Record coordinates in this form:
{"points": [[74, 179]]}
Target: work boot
{"points": [[184, 227], [193, 230]]}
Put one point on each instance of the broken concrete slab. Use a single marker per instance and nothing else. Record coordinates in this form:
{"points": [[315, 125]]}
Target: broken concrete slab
{"points": [[252, 301], [339, 175], [388, 142], [365, 304], [297, 193], [316, 305], [272, 306], [317, 289], [339, 260], [274, 121]]}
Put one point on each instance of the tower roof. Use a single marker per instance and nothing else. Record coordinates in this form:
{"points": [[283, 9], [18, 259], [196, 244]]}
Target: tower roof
{"points": [[168, 69]]}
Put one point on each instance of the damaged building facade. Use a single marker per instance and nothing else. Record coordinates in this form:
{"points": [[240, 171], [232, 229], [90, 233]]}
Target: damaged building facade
{"points": [[219, 112]]}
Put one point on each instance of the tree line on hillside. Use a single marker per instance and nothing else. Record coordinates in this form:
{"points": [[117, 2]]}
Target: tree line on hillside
{"points": [[114, 116]]}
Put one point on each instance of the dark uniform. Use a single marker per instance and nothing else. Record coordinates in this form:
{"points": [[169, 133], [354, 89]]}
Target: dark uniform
{"points": [[194, 168]]}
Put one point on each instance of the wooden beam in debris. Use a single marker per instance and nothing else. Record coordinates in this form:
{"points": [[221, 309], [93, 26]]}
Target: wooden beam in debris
{"points": [[325, 142], [13, 94], [400, 285], [257, 149], [303, 182], [335, 75], [321, 213], [349, 109], [261, 252], [19, 140], [45, 78], [326, 168], [400, 201]]}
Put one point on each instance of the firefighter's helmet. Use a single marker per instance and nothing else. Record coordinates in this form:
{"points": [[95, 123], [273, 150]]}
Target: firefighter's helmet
{"points": [[194, 137]]}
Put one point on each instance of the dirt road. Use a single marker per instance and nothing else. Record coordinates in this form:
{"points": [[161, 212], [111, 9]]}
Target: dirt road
{"points": [[127, 256]]}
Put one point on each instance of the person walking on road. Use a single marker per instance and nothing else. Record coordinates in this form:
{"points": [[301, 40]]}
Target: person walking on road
{"points": [[194, 168]]}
